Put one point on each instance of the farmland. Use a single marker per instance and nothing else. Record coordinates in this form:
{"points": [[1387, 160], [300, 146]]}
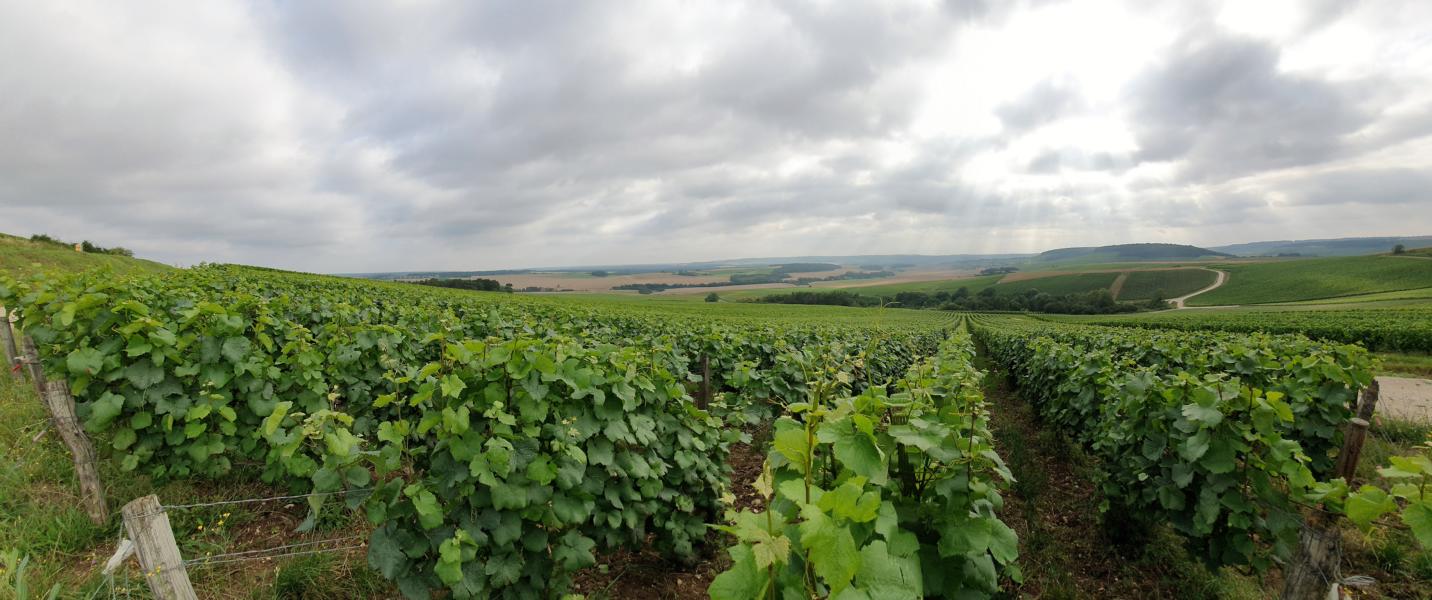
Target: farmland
{"points": [[1289, 281], [484, 444], [1143, 285], [1393, 329]]}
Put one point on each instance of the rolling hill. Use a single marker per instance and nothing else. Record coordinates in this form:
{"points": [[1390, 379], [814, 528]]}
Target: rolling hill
{"points": [[19, 256], [1128, 252], [1328, 247]]}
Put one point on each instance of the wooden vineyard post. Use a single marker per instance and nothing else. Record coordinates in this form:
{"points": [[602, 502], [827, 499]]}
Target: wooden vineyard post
{"points": [[1315, 566], [7, 339], [62, 415], [705, 399], [1357, 433], [30, 355], [147, 525]]}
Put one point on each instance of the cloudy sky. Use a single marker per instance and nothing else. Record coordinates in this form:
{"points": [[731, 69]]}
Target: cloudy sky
{"points": [[345, 136]]}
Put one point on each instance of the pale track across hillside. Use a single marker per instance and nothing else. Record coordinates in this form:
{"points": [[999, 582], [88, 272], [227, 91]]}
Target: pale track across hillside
{"points": [[1222, 277]]}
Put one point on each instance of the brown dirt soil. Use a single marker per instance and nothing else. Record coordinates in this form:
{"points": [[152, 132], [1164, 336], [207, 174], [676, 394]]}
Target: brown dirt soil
{"points": [[645, 575], [1064, 552]]}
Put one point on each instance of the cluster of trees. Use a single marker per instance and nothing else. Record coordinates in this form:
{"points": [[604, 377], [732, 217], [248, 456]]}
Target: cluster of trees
{"points": [[830, 298], [998, 270], [478, 284], [845, 276], [84, 245], [1097, 302], [652, 288]]}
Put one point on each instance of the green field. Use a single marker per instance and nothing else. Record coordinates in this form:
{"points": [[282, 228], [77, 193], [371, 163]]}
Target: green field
{"points": [[973, 284], [1074, 283], [1143, 285], [1316, 278], [19, 256], [192, 403], [1375, 298]]}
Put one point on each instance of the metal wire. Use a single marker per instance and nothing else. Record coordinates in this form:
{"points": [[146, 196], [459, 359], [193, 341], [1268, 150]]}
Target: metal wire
{"points": [[240, 559], [168, 507], [219, 557]]}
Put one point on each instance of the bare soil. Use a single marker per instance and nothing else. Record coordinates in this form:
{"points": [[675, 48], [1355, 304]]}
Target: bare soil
{"points": [[646, 575], [1405, 398]]}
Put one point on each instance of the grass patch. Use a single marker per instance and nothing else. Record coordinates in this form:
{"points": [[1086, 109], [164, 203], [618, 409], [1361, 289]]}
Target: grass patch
{"points": [[41, 517], [1406, 363], [19, 257]]}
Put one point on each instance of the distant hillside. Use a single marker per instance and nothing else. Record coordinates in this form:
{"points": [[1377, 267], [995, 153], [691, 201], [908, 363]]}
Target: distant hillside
{"points": [[20, 256], [1317, 278], [1330, 247], [1128, 252]]}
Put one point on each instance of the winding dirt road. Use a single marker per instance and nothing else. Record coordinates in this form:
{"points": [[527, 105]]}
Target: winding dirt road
{"points": [[1222, 277]]}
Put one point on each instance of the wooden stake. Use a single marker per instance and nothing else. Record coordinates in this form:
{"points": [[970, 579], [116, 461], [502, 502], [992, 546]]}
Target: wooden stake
{"points": [[148, 526], [705, 399], [62, 415], [31, 357], [1315, 566], [7, 339]]}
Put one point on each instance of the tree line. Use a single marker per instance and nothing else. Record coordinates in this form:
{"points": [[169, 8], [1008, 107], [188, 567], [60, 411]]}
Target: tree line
{"points": [[85, 246], [477, 284], [1097, 302]]}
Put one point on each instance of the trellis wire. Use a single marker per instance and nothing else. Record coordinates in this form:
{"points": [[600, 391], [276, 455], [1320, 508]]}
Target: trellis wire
{"points": [[203, 562], [168, 507], [218, 558]]}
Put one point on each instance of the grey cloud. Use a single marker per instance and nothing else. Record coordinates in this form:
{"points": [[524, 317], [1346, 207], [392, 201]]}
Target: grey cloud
{"points": [[335, 136], [1046, 102], [1056, 160], [1221, 105], [1366, 186]]}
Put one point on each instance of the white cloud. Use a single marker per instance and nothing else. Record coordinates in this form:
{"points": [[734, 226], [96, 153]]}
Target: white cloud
{"points": [[343, 137]]}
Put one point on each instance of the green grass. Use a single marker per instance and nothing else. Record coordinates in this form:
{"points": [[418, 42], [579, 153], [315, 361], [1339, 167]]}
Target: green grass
{"points": [[1074, 283], [1142, 285], [1316, 278], [1378, 297], [1407, 364], [41, 517], [19, 257]]}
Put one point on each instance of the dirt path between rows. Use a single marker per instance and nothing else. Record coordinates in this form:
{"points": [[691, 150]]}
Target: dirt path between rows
{"points": [[1065, 548], [1178, 303], [1405, 398], [646, 575]]}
